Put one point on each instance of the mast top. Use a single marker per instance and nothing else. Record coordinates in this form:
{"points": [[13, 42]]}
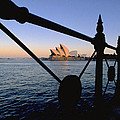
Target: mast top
{"points": [[99, 28]]}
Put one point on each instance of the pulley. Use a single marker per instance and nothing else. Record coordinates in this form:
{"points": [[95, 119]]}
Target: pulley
{"points": [[69, 92], [110, 74]]}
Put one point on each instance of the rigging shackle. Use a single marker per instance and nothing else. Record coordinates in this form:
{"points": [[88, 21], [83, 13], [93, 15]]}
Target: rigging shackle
{"points": [[110, 75]]}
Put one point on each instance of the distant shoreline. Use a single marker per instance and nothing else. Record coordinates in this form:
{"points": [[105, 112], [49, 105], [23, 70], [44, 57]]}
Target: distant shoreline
{"points": [[110, 57]]}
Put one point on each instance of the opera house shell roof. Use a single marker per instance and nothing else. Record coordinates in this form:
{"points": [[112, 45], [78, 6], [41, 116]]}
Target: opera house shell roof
{"points": [[62, 53]]}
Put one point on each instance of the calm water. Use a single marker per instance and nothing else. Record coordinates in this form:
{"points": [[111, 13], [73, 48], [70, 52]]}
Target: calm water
{"points": [[25, 87]]}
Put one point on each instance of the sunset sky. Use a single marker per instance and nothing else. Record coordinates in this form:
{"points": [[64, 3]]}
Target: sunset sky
{"points": [[79, 15]]}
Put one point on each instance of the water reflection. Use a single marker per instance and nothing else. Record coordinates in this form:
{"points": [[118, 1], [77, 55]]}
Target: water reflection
{"points": [[26, 87]]}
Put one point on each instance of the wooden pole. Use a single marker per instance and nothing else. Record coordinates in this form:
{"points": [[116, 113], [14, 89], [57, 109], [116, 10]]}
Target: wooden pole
{"points": [[118, 60], [99, 45], [117, 90]]}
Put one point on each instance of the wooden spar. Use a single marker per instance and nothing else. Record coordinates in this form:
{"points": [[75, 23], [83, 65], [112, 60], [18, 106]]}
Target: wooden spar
{"points": [[99, 45], [34, 19], [56, 27], [23, 16], [13, 37]]}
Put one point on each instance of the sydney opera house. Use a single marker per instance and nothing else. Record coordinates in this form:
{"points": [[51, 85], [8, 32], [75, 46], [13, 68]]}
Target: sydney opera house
{"points": [[62, 53]]}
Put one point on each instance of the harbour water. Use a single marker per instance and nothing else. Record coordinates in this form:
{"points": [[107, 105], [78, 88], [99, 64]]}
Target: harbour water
{"points": [[25, 87]]}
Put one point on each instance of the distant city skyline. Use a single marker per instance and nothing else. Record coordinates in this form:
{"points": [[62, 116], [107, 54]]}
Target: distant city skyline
{"points": [[79, 15]]}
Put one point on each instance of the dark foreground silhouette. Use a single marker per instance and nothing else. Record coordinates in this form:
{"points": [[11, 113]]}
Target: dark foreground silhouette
{"points": [[70, 88]]}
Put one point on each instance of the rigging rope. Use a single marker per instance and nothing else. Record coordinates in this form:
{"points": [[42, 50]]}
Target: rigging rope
{"points": [[87, 64], [13, 37]]}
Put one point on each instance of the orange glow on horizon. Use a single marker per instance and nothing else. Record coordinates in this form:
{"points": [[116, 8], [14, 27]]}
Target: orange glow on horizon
{"points": [[12, 50], [18, 52]]}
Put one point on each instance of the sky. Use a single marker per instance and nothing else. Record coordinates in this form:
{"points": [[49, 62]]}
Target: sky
{"points": [[79, 15]]}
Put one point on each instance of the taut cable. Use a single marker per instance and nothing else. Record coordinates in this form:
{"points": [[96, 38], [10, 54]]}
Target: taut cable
{"points": [[13, 37]]}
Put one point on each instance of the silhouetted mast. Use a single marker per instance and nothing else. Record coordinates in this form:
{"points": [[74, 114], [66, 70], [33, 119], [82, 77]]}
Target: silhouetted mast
{"points": [[117, 91], [99, 45]]}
